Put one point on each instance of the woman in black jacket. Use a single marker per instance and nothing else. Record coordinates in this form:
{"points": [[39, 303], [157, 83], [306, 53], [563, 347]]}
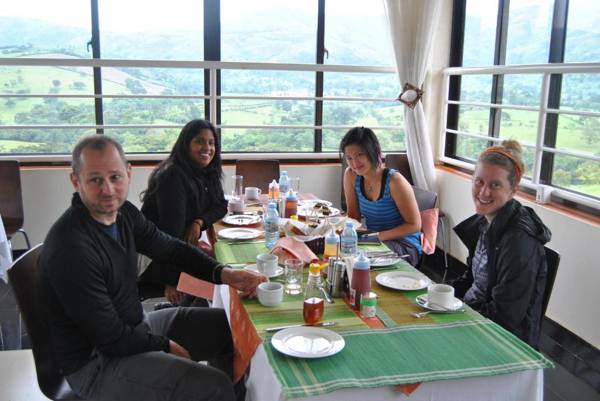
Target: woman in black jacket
{"points": [[506, 272], [185, 195]]}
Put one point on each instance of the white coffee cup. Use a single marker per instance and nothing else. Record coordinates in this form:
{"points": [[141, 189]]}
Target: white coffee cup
{"points": [[270, 293], [441, 295], [236, 205], [267, 263], [252, 192]]}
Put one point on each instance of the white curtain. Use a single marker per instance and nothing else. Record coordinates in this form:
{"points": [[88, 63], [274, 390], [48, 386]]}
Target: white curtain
{"points": [[412, 24]]}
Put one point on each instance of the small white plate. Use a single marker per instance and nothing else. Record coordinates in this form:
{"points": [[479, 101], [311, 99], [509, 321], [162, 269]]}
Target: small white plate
{"points": [[308, 342], [304, 211], [384, 261], [312, 202], [405, 281], [241, 219], [252, 267], [458, 305], [240, 233]]}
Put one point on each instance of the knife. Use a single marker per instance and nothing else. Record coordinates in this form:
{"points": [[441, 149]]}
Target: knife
{"points": [[323, 324]]}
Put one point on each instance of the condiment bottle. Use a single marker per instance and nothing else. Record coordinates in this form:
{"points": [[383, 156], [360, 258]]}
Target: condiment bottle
{"points": [[284, 182], [361, 279], [314, 304], [291, 204], [273, 190], [332, 241]]}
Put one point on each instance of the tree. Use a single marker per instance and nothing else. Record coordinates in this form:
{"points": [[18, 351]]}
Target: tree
{"points": [[591, 131], [56, 83]]}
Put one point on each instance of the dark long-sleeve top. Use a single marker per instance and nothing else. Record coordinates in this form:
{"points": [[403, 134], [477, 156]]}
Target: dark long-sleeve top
{"points": [[179, 199], [90, 283], [516, 268]]}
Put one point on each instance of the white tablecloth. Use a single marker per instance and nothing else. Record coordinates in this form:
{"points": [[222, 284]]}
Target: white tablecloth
{"points": [[528, 385]]}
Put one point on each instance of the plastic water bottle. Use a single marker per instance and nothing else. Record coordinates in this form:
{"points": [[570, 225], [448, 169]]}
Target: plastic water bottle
{"points": [[361, 279], [284, 182], [349, 240], [271, 226]]}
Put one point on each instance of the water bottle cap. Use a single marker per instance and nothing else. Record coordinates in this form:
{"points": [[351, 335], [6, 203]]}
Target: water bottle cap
{"points": [[283, 172], [349, 224]]}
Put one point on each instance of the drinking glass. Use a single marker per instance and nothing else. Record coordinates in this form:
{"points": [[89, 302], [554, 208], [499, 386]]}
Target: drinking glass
{"points": [[238, 186], [293, 276], [295, 184]]}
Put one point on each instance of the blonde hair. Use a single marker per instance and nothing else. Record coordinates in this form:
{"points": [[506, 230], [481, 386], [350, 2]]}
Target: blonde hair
{"points": [[509, 156]]}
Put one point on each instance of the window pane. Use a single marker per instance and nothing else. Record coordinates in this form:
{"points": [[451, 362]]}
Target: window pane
{"points": [[278, 31], [34, 27], [583, 31], [152, 81], [480, 33], [40, 140], [476, 88], [470, 148], [267, 140], [152, 111], [356, 33], [391, 140], [267, 112], [580, 92], [474, 120], [519, 124], [152, 30], [368, 114], [579, 133], [522, 90], [529, 25], [271, 83], [577, 174], [361, 85], [141, 140]]}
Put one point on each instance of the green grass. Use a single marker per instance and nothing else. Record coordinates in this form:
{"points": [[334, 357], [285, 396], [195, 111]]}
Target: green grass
{"points": [[10, 145]]}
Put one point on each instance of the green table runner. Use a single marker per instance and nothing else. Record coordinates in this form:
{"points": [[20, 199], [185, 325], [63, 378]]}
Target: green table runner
{"points": [[407, 354], [239, 252]]}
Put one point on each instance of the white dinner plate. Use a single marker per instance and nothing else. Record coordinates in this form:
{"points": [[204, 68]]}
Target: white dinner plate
{"points": [[458, 305], [241, 219], [239, 233], [304, 211], [384, 261], [405, 281], [312, 202], [308, 342], [252, 267]]}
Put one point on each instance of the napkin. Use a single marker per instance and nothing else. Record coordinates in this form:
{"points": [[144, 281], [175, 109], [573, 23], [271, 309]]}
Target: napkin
{"points": [[429, 223], [290, 247]]}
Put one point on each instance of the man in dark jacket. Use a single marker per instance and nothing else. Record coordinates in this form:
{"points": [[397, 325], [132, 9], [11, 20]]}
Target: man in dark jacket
{"points": [[105, 345]]}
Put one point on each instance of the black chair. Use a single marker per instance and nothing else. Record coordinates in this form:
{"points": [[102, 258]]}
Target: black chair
{"points": [[258, 173], [399, 161], [552, 261], [11, 200], [25, 277]]}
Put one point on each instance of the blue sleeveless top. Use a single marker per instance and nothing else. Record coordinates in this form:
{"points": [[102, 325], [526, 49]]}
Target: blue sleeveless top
{"points": [[382, 214]]}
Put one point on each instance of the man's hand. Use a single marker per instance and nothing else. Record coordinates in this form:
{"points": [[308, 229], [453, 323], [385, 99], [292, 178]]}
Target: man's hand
{"points": [[192, 234], [243, 280], [172, 295], [178, 350]]}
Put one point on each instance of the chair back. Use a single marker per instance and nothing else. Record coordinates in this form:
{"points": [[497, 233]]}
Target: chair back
{"points": [[25, 278], [11, 201], [399, 161], [425, 199], [552, 261], [258, 173]]}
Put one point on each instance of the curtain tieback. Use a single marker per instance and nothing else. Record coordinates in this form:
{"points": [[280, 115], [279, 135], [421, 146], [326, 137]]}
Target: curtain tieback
{"points": [[410, 95]]}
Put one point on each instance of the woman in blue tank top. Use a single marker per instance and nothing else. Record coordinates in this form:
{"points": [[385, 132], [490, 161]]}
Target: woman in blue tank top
{"points": [[383, 197]]}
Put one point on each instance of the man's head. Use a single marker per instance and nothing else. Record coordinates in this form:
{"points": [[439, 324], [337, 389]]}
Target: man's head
{"points": [[101, 176]]}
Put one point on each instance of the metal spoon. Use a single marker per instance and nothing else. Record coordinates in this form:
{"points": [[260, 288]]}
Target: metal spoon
{"points": [[420, 314]]}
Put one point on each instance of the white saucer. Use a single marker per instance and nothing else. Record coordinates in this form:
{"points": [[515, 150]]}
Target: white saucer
{"points": [[241, 219], [458, 305], [308, 342], [239, 233], [278, 272], [405, 281]]}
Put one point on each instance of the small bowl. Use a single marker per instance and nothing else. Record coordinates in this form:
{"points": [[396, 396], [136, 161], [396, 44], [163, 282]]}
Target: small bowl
{"points": [[270, 293]]}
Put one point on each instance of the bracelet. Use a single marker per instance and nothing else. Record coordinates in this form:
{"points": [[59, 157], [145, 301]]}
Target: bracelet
{"points": [[216, 274]]}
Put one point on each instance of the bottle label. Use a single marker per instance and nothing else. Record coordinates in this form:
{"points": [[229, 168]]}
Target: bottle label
{"points": [[352, 296]]}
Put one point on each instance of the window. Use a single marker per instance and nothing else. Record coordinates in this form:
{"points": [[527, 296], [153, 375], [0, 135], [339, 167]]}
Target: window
{"points": [[148, 75], [560, 137]]}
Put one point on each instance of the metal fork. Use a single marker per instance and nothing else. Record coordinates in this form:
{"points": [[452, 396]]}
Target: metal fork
{"points": [[420, 314]]}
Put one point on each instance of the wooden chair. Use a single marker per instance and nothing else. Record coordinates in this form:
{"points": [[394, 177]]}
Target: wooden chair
{"points": [[399, 161], [25, 277], [258, 173], [11, 200]]}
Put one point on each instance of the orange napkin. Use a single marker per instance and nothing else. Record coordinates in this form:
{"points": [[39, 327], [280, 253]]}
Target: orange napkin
{"points": [[429, 223], [196, 287], [287, 246]]}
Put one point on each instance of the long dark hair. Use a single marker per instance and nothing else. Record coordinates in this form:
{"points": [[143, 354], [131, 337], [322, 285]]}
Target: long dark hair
{"points": [[180, 156], [367, 140]]}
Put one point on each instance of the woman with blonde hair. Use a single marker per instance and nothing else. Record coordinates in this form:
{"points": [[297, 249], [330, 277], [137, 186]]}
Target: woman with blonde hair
{"points": [[506, 267]]}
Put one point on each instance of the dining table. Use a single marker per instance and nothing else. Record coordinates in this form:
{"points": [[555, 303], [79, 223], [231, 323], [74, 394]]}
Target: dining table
{"points": [[391, 356]]}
